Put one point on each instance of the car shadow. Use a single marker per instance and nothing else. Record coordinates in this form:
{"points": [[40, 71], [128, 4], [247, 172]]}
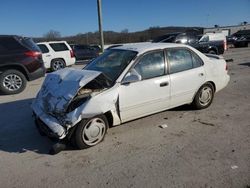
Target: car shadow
{"points": [[185, 107], [245, 64], [18, 132]]}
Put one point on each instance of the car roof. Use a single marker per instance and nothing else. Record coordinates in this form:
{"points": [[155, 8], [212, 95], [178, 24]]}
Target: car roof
{"points": [[52, 42], [148, 46]]}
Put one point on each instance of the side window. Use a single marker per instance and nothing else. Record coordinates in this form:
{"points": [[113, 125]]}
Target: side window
{"points": [[197, 62], [57, 47], [151, 65], [9, 44], [43, 48], [179, 60]]}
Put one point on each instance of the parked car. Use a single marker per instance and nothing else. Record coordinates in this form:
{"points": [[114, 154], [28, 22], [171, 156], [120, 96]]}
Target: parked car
{"points": [[57, 54], [240, 38], [84, 52], [123, 84], [20, 61], [208, 43]]}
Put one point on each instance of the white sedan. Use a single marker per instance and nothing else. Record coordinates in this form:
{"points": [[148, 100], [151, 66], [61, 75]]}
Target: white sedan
{"points": [[125, 83]]}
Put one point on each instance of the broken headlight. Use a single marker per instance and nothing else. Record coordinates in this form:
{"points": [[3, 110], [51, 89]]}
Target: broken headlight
{"points": [[82, 96]]}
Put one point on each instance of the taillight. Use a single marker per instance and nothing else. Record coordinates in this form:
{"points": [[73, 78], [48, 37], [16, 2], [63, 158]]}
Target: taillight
{"points": [[225, 44], [72, 54], [33, 54]]}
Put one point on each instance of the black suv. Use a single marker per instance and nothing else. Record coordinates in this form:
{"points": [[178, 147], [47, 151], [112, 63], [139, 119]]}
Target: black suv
{"points": [[84, 52], [20, 61], [241, 38], [204, 46]]}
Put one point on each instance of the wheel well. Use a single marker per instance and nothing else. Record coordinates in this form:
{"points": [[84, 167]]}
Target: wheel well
{"points": [[56, 59], [15, 67], [109, 118], [214, 87], [213, 49]]}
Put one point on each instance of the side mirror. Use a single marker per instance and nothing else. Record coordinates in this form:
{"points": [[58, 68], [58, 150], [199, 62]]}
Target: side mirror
{"points": [[131, 77]]}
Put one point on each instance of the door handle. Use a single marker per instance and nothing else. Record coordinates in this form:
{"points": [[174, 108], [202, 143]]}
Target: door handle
{"points": [[163, 84], [201, 74], [48, 55]]}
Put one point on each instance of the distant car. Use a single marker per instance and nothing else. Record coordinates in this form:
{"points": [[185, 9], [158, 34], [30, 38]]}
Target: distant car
{"points": [[208, 43], [20, 61], [57, 54], [123, 84], [241, 38], [84, 52]]}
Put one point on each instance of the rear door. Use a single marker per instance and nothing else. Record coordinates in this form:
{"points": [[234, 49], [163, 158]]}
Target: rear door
{"points": [[187, 74]]}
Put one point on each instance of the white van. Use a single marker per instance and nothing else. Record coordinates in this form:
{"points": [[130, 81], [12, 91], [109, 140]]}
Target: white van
{"points": [[57, 54]]}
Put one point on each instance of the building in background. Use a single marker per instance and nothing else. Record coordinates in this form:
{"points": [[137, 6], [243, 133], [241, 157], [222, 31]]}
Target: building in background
{"points": [[228, 30]]}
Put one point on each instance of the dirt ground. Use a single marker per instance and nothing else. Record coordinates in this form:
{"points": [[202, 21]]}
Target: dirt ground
{"points": [[206, 148]]}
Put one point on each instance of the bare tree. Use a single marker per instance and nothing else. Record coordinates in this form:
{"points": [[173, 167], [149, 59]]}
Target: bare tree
{"points": [[52, 35]]}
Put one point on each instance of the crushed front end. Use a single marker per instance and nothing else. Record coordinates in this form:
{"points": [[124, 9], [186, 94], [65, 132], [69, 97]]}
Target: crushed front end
{"points": [[59, 104]]}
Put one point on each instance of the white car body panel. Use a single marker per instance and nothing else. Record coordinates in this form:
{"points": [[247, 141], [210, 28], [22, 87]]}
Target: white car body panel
{"points": [[65, 55], [136, 100], [185, 84], [124, 102]]}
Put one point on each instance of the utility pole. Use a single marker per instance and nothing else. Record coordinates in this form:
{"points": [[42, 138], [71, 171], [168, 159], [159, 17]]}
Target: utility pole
{"points": [[99, 5]]}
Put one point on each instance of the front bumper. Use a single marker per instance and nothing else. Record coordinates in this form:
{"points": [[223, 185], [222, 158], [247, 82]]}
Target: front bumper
{"points": [[48, 124]]}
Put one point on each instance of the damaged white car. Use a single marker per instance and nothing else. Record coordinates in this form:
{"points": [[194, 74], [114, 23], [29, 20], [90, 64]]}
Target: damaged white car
{"points": [[125, 83]]}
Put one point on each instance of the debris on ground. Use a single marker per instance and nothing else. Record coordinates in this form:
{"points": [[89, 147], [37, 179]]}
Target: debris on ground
{"points": [[163, 126], [204, 123], [234, 167]]}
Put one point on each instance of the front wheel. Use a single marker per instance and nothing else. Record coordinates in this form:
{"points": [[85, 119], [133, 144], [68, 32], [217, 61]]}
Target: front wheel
{"points": [[204, 96], [90, 132]]}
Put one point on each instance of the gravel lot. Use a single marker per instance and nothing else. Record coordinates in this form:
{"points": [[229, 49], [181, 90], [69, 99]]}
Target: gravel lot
{"points": [[207, 148]]}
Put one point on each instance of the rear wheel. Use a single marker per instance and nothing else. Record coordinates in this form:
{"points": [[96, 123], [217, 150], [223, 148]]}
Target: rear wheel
{"points": [[12, 82], [212, 52], [90, 132], [204, 96], [57, 64]]}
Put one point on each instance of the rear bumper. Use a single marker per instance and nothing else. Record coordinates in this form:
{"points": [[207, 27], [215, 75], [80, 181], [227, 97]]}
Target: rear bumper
{"points": [[40, 72]]}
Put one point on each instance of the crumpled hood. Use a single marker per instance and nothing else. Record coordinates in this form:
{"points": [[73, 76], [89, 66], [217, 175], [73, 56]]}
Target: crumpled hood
{"points": [[60, 87]]}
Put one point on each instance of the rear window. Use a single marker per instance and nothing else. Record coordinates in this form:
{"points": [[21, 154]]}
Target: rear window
{"points": [[9, 44], [81, 47], [57, 47], [243, 32], [29, 43]]}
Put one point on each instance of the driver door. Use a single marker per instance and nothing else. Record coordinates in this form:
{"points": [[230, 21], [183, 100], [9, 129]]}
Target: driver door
{"points": [[149, 95]]}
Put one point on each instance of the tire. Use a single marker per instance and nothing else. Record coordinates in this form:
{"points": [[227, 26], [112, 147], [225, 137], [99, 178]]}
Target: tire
{"points": [[201, 102], [57, 64], [90, 132], [12, 82], [212, 52]]}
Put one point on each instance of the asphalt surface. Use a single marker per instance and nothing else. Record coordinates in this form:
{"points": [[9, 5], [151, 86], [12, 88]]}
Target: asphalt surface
{"points": [[206, 148]]}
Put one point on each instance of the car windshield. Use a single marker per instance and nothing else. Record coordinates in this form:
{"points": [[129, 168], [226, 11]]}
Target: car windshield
{"points": [[112, 63]]}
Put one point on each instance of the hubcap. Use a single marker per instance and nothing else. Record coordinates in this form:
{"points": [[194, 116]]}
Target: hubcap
{"points": [[58, 65], [94, 131], [12, 82], [205, 96]]}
